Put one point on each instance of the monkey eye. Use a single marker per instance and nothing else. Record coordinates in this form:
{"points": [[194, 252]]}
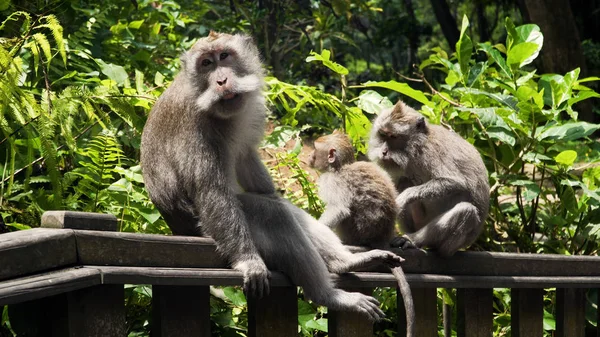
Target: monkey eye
{"points": [[206, 62], [223, 56]]}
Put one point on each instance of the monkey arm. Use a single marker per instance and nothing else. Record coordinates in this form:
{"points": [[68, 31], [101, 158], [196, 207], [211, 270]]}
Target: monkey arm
{"points": [[253, 175], [433, 189], [334, 215]]}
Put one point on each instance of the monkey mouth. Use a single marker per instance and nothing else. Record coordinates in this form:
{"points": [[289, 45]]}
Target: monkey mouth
{"points": [[229, 96]]}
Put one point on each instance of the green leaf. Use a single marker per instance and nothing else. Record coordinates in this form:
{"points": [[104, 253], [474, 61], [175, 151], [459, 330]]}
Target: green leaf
{"points": [[235, 295], [372, 102], [583, 95], [402, 88], [568, 131], [533, 189], [511, 30], [324, 57], [522, 54], [501, 134], [114, 72], [475, 72], [464, 48], [136, 24], [549, 321], [498, 58], [566, 158]]}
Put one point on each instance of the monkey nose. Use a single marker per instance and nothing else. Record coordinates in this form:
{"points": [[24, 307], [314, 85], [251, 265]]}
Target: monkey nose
{"points": [[222, 82]]}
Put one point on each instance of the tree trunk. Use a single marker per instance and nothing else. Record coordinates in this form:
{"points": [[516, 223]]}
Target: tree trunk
{"points": [[482, 23], [446, 21], [413, 35]]}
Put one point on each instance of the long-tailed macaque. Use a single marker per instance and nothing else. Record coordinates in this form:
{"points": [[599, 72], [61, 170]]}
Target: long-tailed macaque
{"points": [[359, 203], [202, 171], [443, 183]]}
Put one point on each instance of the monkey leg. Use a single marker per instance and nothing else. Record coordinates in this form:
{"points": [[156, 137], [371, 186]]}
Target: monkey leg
{"points": [[449, 231], [336, 256], [279, 232]]}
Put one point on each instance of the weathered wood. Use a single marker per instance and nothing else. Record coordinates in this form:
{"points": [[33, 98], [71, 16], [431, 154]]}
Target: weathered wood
{"points": [[527, 312], [474, 312], [349, 324], [35, 250], [98, 311], [210, 276], [79, 220], [129, 249], [133, 249], [47, 284], [447, 317], [570, 312], [180, 311], [274, 315], [425, 300]]}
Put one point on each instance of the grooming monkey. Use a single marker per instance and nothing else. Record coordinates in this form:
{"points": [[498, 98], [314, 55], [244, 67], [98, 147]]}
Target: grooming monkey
{"points": [[443, 183], [202, 171], [360, 203]]}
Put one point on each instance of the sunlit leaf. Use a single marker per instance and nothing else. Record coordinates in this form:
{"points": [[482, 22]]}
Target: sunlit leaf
{"points": [[566, 158], [402, 88]]}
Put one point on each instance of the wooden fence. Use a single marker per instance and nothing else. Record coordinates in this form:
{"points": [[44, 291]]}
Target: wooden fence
{"points": [[71, 273]]}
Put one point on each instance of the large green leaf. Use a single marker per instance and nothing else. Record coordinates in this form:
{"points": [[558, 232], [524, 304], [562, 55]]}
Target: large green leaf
{"points": [[324, 57], [372, 102], [464, 48], [498, 58], [568, 131], [566, 158], [522, 54], [114, 72], [402, 88]]}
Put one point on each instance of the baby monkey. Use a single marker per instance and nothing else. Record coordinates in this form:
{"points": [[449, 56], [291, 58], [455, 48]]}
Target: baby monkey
{"points": [[359, 202]]}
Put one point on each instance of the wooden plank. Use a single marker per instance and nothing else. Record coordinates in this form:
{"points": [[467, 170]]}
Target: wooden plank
{"points": [[527, 312], [35, 250], [47, 284], [347, 323], [97, 311], [570, 312], [447, 317], [151, 250], [274, 315], [474, 312], [215, 276], [79, 220], [425, 300], [180, 311]]}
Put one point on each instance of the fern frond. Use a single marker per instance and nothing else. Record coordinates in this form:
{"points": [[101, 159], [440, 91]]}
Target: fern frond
{"points": [[42, 41], [35, 50], [15, 17], [55, 27], [5, 59]]}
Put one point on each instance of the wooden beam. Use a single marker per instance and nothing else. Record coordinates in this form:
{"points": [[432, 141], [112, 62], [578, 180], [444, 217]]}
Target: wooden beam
{"points": [[570, 312], [47, 284], [527, 312], [79, 220], [35, 250], [180, 311], [425, 300], [274, 315], [474, 312]]}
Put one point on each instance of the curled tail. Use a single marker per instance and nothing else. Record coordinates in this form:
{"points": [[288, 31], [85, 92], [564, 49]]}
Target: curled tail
{"points": [[407, 298]]}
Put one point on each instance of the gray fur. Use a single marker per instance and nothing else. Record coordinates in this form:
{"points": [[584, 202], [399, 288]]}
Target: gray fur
{"points": [[444, 187], [202, 171], [360, 203]]}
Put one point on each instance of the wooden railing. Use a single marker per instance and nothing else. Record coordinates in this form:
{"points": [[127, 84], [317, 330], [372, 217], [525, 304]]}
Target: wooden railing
{"points": [[73, 274]]}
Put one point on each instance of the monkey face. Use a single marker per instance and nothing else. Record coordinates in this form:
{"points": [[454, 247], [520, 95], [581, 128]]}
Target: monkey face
{"points": [[319, 157], [225, 69]]}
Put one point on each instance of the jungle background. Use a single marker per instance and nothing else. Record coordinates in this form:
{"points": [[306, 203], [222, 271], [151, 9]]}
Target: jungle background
{"points": [[516, 78]]}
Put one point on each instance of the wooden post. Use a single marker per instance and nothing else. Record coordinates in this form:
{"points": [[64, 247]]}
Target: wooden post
{"points": [[527, 312], [97, 311], [474, 307], [274, 315], [180, 311], [570, 312]]}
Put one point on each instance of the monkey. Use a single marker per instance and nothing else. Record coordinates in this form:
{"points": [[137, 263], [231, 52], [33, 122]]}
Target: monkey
{"points": [[442, 180], [359, 202], [202, 171]]}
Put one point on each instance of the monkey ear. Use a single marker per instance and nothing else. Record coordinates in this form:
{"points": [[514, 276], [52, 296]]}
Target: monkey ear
{"points": [[331, 156]]}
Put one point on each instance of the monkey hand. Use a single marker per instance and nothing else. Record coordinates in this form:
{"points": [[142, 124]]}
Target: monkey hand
{"points": [[402, 242], [365, 305], [386, 257], [256, 276]]}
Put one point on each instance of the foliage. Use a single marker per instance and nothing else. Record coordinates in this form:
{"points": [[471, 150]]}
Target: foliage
{"points": [[77, 82]]}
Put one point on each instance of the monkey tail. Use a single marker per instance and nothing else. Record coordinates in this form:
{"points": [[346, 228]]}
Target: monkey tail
{"points": [[407, 298]]}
